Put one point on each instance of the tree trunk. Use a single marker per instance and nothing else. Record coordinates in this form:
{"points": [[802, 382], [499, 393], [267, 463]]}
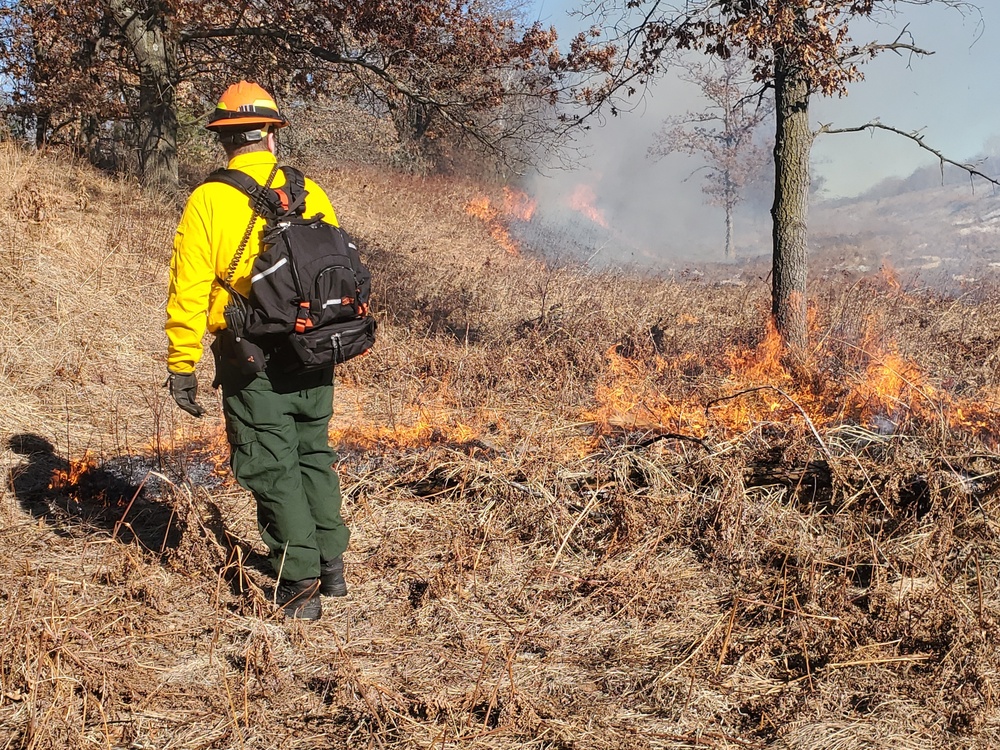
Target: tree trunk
{"points": [[43, 122], [158, 149], [412, 119], [729, 230], [155, 54], [792, 144]]}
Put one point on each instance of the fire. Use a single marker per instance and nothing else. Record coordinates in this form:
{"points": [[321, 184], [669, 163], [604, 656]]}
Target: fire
{"points": [[67, 480], [516, 206], [890, 277], [428, 428], [203, 442], [889, 394], [891, 384], [762, 364], [629, 398], [583, 199], [363, 419]]}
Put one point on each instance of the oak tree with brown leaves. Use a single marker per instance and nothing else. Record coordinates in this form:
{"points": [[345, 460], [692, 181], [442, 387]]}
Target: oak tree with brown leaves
{"points": [[801, 49], [725, 133], [130, 68]]}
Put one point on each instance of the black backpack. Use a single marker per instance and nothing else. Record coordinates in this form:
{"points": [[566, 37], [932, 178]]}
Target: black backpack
{"points": [[309, 289]]}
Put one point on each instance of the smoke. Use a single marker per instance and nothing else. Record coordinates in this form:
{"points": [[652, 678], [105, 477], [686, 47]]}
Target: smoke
{"points": [[656, 211]]}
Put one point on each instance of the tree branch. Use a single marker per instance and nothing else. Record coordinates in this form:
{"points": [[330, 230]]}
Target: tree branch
{"points": [[916, 138], [897, 45], [299, 44]]}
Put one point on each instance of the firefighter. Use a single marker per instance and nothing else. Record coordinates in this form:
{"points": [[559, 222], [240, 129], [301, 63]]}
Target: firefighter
{"points": [[277, 424]]}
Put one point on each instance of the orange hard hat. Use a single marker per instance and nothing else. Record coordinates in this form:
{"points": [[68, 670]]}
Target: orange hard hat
{"points": [[246, 104]]}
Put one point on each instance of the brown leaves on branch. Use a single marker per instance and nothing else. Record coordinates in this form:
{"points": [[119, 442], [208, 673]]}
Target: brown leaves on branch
{"points": [[814, 37], [470, 68]]}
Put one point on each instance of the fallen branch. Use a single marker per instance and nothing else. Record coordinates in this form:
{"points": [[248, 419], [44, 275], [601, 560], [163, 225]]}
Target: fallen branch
{"points": [[668, 436]]}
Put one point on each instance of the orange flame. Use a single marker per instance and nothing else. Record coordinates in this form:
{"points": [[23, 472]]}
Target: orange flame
{"points": [[516, 206], [428, 428], [890, 392], [628, 397], [890, 384], [67, 479], [583, 199], [890, 277]]}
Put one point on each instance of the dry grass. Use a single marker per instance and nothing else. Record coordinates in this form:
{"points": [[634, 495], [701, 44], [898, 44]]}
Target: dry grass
{"points": [[533, 564]]}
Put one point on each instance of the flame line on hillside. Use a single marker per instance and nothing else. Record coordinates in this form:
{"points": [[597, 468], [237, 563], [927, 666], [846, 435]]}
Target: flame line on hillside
{"points": [[887, 390], [517, 205]]}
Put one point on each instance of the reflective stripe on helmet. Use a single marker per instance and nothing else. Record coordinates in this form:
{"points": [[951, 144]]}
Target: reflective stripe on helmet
{"points": [[248, 104]]}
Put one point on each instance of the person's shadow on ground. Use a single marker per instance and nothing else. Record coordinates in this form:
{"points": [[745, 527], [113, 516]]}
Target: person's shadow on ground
{"points": [[125, 500], [81, 496]]}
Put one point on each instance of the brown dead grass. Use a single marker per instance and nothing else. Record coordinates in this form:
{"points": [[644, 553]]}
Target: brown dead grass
{"points": [[520, 577]]}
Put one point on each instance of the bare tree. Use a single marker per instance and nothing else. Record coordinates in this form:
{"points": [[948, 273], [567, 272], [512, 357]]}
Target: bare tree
{"points": [[725, 133]]}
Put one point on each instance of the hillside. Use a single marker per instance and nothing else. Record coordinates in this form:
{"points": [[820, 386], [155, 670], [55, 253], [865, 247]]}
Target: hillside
{"points": [[590, 510], [942, 235]]}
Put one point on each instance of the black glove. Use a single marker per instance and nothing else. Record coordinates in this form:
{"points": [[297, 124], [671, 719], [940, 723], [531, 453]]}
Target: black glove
{"points": [[184, 389]]}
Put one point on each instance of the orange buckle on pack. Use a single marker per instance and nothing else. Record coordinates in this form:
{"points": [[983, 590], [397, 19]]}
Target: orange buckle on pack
{"points": [[303, 321], [283, 197]]}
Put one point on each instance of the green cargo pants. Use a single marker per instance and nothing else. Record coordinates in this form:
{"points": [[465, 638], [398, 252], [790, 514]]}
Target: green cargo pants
{"points": [[278, 431]]}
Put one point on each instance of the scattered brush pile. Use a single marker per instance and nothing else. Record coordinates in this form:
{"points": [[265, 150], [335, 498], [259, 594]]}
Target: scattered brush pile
{"points": [[589, 510]]}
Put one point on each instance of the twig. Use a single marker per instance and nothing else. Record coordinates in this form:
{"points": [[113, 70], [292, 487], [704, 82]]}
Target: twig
{"points": [[710, 738], [572, 528], [843, 664], [722, 618], [121, 520], [668, 436], [883, 660], [729, 633], [897, 45], [787, 611], [979, 590], [788, 398]]}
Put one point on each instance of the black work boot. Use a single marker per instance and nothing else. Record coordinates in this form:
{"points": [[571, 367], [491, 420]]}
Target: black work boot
{"points": [[300, 599], [331, 576]]}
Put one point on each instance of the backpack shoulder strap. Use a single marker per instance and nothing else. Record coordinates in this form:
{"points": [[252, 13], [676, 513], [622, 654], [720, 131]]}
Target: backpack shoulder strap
{"points": [[261, 197], [296, 179], [293, 193], [247, 185], [237, 179]]}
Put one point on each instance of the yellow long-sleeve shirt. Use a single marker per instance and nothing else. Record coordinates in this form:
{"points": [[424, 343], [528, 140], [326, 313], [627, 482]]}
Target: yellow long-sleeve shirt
{"points": [[213, 223]]}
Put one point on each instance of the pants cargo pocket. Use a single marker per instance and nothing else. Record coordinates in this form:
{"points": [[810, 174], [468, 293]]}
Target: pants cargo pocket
{"points": [[242, 440], [238, 433]]}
